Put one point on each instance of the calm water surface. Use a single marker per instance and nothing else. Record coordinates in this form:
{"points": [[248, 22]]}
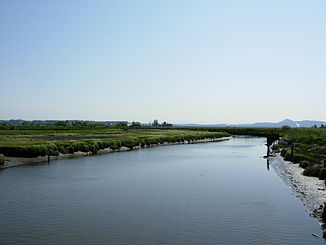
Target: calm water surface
{"points": [[213, 193]]}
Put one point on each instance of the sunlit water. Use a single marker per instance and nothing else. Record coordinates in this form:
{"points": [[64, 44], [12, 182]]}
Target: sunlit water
{"points": [[212, 193]]}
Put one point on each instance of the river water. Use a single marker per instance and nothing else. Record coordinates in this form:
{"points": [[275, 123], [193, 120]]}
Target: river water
{"points": [[210, 193]]}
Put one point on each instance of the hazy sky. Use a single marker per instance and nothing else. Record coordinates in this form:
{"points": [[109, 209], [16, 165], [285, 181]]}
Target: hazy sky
{"points": [[179, 61]]}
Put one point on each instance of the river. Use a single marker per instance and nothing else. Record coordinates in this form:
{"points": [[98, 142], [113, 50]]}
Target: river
{"points": [[209, 193]]}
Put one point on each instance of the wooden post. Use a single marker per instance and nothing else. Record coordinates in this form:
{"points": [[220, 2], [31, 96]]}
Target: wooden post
{"points": [[292, 148], [48, 156]]}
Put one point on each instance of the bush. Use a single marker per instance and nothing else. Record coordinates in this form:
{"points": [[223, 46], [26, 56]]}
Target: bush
{"points": [[322, 173], [62, 149], [115, 145], [298, 157], [319, 149], [275, 147], [129, 143], [287, 156], [94, 148], [323, 216], [24, 151], [2, 159], [77, 146], [304, 164], [70, 150], [85, 147], [311, 171], [283, 152]]}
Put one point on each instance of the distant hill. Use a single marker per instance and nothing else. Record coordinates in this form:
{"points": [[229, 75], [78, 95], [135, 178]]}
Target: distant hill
{"points": [[289, 122]]}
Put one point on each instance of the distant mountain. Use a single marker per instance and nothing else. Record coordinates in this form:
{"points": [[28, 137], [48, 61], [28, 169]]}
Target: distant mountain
{"points": [[288, 122]]}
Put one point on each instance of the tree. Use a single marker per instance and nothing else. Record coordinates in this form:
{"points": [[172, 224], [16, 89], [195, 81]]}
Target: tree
{"points": [[155, 123], [165, 124], [135, 124], [62, 123], [121, 124]]}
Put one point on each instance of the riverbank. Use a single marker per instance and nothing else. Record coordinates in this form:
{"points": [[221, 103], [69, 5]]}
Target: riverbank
{"points": [[311, 190], [17, 161]]}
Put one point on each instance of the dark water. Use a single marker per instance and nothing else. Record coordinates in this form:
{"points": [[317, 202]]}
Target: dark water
{"points": [[214, 193]]}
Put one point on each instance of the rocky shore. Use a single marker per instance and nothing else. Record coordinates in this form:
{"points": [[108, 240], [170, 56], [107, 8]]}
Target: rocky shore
{"points": [[310, 190]]}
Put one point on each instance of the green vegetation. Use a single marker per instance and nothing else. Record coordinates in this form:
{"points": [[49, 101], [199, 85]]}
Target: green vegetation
{"points": [[311, 171], [33, 141], [2, 159], [306, 146], [323, 216], [261, 132], [304, 164]]}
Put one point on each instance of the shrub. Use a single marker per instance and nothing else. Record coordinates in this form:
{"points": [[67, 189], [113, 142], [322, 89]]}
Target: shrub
{"points": [[2, 159], [62, 149], [298, 157], [52, 147], [115, 145], [311, 171], [94, 148], [287, 156], [319, 149], [85, 147], [102, 144], [322, 173], [283, 152], [128, 143], [77, 146], [304, 164], [142, 143], [70, 150], [323, 216], [26, 151], [275, 147]]}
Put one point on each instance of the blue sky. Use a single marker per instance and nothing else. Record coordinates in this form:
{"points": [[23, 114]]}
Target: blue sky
{"points": [[177, 61]]}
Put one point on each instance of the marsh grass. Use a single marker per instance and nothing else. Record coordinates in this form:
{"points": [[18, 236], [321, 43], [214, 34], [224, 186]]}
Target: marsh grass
{"points": [[33, 143]]}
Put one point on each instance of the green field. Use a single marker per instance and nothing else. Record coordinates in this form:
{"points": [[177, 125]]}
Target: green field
{"points": [[22, 141]]}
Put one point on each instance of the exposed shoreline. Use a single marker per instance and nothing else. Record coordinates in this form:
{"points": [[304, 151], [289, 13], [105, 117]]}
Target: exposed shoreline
{"points": [[311, 190], [17, 161]]}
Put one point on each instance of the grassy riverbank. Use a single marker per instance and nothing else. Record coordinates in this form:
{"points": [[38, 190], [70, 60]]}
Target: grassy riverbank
{"points": [[40, 141], [307, 147]]}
